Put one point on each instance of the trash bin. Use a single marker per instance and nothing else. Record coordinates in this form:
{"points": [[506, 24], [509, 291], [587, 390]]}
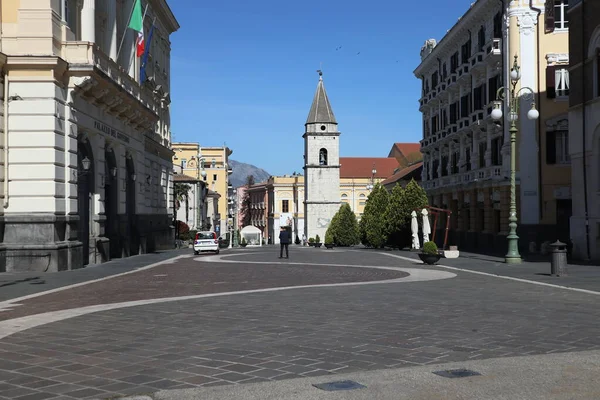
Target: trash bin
{"points": [[558, 264]]}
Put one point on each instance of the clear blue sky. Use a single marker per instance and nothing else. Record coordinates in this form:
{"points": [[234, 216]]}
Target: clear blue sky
{"points": [[243, 73]]}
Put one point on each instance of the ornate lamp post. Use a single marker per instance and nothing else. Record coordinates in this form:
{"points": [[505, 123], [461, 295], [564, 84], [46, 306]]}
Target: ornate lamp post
{"points": [[372, 183], [514, 98]]}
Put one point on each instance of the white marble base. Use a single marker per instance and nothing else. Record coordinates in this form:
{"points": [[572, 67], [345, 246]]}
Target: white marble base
{"points": [[451, 253]]}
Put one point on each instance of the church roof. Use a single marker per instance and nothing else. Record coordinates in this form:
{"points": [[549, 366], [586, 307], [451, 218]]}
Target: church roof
{"points": [[320, 111], [362, 167]]}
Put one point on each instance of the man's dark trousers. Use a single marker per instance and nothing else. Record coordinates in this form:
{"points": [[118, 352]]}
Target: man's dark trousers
{"points": [[283, 245]]}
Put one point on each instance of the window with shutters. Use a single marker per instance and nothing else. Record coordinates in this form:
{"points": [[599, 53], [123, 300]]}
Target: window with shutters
{"points": [[557, 147], [285, 206], [561, 18], [557, 81]]}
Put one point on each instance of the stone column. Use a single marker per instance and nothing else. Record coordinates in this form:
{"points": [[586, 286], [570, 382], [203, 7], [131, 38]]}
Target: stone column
{"points": [[88, 21], [111, 29]]}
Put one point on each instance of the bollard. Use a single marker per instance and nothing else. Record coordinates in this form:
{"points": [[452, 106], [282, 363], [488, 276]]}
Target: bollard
{"points": [[558, 264]]}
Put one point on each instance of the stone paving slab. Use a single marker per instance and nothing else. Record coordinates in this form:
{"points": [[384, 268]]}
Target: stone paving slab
{"points": [[17, 284], [188, 276], [313, 332], [579, 276]]}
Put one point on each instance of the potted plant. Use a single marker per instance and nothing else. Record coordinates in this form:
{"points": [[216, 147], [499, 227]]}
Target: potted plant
{"points": [[328, 240], [429, 255], [317, 241], [243, 243], [311, 241]]}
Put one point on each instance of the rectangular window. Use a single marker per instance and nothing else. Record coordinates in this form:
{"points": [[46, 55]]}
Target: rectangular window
{"points": [[493, 84], [481, 38], [453, 113], [557, 147], [434, 124], [454, 163], [557, 82], [434, 172], [444, 165], [444, 71], [468, 158], [444, 118], [478, 98], [561, 17], [482, 150], [497, 151], [454, 62], [183, 163], [498, 26], [465, 108], [466, 51], [561, 77], [434, 80], [285, 206], [214, 177]]}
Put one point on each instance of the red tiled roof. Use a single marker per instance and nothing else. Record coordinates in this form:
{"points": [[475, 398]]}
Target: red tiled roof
{"points": [[406, 148], [361, 167], [183, 178], [402, 173]]}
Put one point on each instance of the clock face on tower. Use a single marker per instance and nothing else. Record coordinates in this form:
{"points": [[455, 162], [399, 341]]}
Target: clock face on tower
{"points": [[323, 127]]}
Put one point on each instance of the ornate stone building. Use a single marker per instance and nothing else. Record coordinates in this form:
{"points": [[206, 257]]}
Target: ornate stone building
{"points": [[467, 155], [86, 166]]}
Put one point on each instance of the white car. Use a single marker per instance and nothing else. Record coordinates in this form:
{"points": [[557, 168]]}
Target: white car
{"points": [[206, 241]]}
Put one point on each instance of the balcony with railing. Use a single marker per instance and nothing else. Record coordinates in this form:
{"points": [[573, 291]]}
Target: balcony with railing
{"points": [[493, 51], [105, 82]]}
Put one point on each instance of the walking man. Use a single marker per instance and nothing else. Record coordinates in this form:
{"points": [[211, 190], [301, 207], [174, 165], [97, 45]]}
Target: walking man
{"points": [[284, 241]]}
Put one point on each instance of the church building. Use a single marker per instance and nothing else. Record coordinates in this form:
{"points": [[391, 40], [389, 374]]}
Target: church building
{"points": [[321, 165]]}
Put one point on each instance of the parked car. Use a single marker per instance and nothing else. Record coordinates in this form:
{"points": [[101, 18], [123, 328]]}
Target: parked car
{"points": [[206, 241]]}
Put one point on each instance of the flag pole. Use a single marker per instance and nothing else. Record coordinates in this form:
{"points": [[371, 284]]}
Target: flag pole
{"points": [[127, 27], [132, 58]]}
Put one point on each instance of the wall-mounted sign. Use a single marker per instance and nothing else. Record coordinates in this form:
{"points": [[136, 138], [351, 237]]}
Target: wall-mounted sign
{"points": [[102, 127]]}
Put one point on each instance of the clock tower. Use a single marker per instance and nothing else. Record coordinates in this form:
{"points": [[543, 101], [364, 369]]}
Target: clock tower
{"points": [[321, 165]]}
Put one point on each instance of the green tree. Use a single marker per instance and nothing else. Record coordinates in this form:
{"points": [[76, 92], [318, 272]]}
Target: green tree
{"points": [[344, 227], [395, 216], [398, 218], [372, 224]]}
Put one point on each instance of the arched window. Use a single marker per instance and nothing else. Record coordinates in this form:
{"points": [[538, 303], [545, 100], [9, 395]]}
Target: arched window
{"points": [[323, 157], [344, 197]]}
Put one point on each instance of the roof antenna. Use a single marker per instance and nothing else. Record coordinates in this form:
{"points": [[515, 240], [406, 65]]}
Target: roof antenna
{"points": [[320, 71]]}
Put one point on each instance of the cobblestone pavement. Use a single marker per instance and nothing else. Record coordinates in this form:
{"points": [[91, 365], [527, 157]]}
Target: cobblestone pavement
{"points": [[287, 334], [578, 276]]}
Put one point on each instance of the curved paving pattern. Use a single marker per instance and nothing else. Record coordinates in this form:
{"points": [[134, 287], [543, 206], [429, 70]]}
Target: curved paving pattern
{"points": [[293, 333]]}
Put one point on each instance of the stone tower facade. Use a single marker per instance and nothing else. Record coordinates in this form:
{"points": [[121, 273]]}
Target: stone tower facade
{"points": [[321, 165]]}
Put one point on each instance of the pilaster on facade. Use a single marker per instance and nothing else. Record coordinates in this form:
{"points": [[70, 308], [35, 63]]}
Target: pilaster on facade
{"points": [[88, 177]]}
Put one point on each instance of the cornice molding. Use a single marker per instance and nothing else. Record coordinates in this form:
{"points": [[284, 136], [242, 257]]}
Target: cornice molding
{"points": [[480, 11]]}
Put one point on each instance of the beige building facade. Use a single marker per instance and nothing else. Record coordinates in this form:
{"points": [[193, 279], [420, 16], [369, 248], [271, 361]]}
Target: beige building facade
{"points": [[466, 155], [211, 165], [86, 166]]}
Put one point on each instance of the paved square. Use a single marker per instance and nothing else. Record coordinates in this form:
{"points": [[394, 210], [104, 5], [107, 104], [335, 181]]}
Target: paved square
{"points": [[307, 332]]}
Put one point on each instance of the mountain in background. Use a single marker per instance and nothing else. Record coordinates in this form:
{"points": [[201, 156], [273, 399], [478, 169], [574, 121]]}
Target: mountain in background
{"points": [[242, 170]]}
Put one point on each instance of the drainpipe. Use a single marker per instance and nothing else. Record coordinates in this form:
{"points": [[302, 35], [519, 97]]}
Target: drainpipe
{"points": [[583, 141], [539, 107], [6, 139]]}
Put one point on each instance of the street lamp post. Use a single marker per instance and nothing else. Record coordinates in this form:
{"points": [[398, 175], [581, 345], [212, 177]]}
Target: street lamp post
{"points": [[514, 97], [232, 210], [370, 186]]}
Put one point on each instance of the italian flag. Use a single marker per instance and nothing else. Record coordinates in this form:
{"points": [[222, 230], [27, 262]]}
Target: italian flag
{"points": [[137, 24]]}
